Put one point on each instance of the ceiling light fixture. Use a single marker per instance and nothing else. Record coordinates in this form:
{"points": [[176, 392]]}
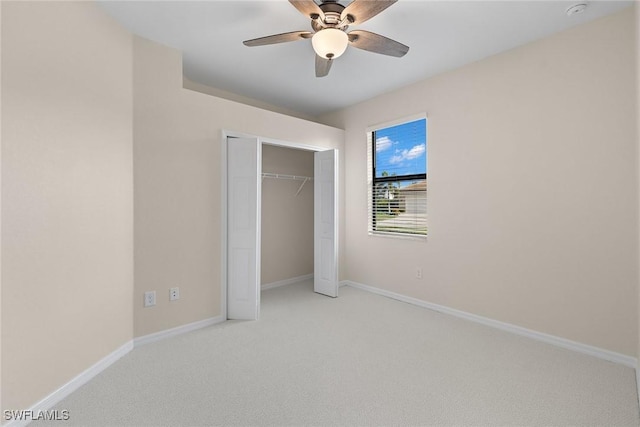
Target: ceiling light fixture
{"points": [[330, 43]]}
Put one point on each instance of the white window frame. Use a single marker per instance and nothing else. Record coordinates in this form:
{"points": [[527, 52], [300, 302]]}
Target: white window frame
{"points": [[370, 154]]}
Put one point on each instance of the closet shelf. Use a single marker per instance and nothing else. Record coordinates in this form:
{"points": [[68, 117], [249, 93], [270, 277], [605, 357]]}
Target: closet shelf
{"points": [[281, 176], [304, 179]]}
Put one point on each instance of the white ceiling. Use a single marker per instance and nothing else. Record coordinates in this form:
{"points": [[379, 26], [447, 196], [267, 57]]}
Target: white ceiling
{"points": [[442, 35]]}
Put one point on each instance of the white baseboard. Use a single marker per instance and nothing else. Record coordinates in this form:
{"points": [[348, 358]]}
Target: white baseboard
{"points": [[539, 336], [158, 336], [286, 282], [54, 398]]}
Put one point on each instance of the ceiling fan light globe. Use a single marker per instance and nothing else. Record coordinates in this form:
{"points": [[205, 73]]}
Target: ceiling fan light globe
{"points": [[330, 43]]}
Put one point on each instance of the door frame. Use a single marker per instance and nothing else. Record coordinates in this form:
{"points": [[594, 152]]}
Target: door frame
{"points": [[223, 196]]}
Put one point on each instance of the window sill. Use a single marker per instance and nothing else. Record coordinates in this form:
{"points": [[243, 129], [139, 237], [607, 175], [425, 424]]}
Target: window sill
{"points": [[401, 236]]}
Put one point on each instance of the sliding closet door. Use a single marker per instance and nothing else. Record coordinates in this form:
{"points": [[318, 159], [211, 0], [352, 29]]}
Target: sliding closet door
{"points": [[326, 223], [243, 231]]}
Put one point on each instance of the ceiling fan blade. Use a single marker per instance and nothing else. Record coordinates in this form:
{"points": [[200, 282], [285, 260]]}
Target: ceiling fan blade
{"points": [[362, 10], [279, 38], [308, 8], [376, 43], [323, 66]]}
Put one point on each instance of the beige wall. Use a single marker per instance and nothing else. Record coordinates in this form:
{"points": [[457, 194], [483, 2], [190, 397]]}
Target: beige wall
{"points": [[532, 188], [1, 401], [177, 180], [219, 93], [67, 194], [637, 53], [287, 218]]}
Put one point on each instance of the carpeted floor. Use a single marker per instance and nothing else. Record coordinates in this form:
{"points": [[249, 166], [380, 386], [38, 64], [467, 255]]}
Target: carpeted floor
{"points": [[360, 359]]}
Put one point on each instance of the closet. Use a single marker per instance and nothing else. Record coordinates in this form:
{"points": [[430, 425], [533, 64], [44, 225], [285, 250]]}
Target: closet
{"points": [[287, 246]]}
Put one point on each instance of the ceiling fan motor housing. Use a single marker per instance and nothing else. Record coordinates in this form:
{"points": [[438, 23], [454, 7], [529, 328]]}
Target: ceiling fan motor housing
{"points": [[332, 16], [332, 8]]}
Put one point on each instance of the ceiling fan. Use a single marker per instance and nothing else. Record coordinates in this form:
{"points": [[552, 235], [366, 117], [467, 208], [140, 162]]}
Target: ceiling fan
{"points": [[330, 21]]}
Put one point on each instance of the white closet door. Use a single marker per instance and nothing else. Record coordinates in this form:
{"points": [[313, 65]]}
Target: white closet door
{"points": [[326, 223], [243, 236]]}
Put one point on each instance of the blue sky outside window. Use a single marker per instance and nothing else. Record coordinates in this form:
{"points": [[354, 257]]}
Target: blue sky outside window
{"points": [[402, 149]]}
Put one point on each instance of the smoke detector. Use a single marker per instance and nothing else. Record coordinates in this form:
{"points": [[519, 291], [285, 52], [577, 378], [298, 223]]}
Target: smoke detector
{"points": [[576, 8]]}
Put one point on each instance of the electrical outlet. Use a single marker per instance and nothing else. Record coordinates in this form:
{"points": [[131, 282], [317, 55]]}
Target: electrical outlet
{"points": [[174, 294], [418, 273], [150, 298]]}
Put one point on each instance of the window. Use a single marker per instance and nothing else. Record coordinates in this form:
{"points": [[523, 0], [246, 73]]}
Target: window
{"points": [[398, 179]]}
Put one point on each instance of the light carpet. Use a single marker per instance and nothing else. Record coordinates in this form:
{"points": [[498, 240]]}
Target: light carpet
{"points": [[360, 359]]}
